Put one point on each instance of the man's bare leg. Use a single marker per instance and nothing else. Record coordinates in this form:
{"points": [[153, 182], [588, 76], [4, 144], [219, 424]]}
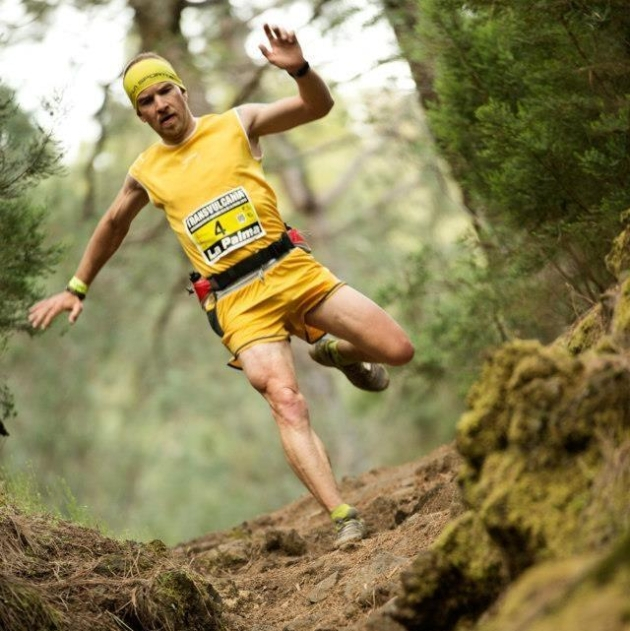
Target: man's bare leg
{"points": [[366, 332], [271, 371]]}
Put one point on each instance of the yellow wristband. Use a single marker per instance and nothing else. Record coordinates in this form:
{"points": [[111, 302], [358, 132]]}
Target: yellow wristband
{"points": [[77, 287]]}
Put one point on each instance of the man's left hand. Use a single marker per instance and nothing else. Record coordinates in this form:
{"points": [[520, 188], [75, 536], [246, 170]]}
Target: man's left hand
{"points": [[284, 49]]}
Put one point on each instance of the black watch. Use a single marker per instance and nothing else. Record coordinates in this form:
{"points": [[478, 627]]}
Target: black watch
{"points": [[301, 71]]}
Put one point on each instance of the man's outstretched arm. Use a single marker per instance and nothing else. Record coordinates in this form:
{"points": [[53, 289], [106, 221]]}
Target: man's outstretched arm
{"points": [[313, 100], [105, 240]]}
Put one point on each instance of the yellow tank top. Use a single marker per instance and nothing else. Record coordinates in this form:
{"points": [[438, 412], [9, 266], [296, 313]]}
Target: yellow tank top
{"points": [[213, 192]]}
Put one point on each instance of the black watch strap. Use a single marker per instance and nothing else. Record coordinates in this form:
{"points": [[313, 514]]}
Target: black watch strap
{"points": [[301, 71]]}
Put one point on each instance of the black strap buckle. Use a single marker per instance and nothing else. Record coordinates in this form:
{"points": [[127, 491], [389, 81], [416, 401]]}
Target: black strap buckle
{"points": [[254, 261]]}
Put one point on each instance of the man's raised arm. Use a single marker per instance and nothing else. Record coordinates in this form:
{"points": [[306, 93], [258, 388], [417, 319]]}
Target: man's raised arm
{"points": [[313, 100]]}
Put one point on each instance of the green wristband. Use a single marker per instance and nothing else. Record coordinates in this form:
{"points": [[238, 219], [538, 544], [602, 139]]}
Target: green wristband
{"points": [[77, 287]]}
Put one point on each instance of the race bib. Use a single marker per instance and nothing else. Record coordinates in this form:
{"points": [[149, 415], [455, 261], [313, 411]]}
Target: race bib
{"points": [[224, 224]]}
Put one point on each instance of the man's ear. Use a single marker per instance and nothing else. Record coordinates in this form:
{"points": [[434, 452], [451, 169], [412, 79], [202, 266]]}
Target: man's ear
{"points": [[141, 117]]}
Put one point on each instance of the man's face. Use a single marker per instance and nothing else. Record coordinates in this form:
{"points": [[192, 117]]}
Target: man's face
{"points": [[164, 107]]}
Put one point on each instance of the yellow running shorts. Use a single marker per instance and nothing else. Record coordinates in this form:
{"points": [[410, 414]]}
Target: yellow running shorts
{"points": [[273, 305]]}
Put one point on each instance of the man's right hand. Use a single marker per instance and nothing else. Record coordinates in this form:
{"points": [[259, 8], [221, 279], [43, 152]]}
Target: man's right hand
{"points": [[41, 314]]}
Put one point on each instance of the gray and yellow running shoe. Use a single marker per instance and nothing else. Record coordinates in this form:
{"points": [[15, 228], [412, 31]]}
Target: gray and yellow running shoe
{"points": [[349, 526], [364, 375]]}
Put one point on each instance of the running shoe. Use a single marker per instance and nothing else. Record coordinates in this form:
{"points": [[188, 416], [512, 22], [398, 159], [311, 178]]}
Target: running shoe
{"points": [[364, 375], [349, 526]]}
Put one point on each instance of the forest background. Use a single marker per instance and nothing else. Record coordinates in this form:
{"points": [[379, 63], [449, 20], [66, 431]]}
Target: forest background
{"points": [[476, 205]]}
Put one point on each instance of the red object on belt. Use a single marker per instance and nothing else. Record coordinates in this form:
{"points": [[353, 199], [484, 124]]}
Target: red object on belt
{"points": [[297, 238], [201, 286]]}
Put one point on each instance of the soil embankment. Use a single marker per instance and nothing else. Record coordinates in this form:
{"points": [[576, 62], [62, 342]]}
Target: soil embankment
{"points": [[277, 572]]}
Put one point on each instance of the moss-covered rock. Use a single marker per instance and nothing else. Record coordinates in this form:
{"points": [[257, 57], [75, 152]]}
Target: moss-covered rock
{"points": [[545, 480], [487, 422], [620, 326], [455, 580], [582, 592], [545, 473], [618, 259], [587, 332]]}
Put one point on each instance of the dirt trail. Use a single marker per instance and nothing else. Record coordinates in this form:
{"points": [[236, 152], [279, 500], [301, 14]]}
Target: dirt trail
{"points": [[279, 572]]}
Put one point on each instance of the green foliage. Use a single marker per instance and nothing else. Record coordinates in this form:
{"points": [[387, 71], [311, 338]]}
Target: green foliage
{"points": [[452, 299], [27, 155], [529, 104], [23, 489], [532, 113]]}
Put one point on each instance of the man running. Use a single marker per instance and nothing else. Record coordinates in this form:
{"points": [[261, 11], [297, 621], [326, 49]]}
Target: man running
{"points": [[206, 174]]}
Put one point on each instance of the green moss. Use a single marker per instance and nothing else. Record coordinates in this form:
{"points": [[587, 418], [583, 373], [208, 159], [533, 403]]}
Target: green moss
{"points": [[116, 564], [621, 317], [24, 606], [521, 400], [618, 260], [535, 514], [607, 515], [454, 581], [583, 592], [617, 559], [606, 346], [483, 428], [175, 599], [586, 333], [539, 479], [469, 547], [157, 548], [540, 388]]}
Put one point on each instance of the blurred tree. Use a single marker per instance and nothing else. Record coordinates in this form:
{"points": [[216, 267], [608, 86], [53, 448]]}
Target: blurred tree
{"points": [[27, 155], [528, 103]]}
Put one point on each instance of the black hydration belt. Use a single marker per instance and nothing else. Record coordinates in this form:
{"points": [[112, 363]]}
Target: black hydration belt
{"points": [[254, 261]]}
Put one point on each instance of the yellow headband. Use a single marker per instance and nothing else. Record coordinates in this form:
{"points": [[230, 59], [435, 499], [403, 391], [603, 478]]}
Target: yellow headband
{"points": [[148, 72]]}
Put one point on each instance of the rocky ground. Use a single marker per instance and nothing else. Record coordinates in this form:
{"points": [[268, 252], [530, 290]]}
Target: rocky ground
{"points": [[279, 572]]}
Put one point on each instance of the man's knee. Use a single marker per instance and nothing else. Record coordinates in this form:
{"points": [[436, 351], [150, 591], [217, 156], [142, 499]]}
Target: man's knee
{"points": [[287, 404], [401, 351]]}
